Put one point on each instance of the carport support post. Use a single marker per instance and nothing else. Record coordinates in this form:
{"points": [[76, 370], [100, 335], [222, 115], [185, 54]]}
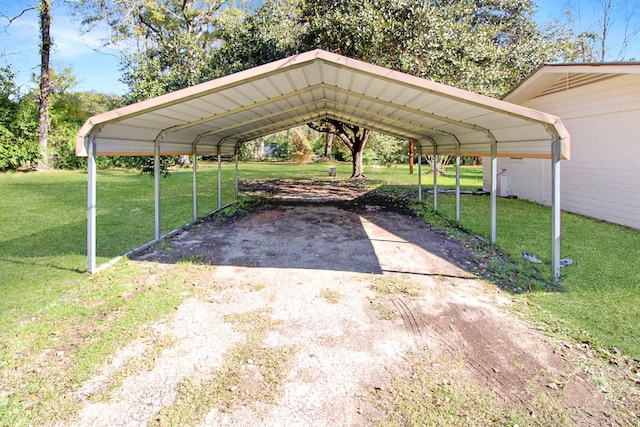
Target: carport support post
{"points": [[156, 182], [494, 190], [420, 176], [237, 173], [555, 207], [435, 182], [194, 185], [91, 205], [219, 180], [458, 183]]}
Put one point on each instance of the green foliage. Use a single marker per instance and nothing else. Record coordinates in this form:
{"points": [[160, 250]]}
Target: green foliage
{"points": [[18, 125], [486, 46], [389, 150], [68, 111], [146, 164], [174, 40], [302, 150]]}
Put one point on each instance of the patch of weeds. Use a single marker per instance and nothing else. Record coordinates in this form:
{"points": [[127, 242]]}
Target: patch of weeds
{"points": [[250, 372], [330, 295], [242, 206], [135, 365], [257, 287], [391, 198], [436, 392], [511, 275], [194, 259], [384, 309], [396, 287]]}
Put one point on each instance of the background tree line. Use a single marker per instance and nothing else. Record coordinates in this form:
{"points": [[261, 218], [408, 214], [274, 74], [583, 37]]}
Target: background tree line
{"points": [[485, 46]]}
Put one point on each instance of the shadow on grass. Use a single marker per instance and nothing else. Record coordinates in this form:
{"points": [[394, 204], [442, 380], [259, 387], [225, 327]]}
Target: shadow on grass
{"points": [[53, 247], [21, 262]]}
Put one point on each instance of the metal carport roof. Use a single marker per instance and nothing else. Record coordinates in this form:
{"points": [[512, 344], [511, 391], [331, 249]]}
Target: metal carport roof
{"points": [[215, 117]]}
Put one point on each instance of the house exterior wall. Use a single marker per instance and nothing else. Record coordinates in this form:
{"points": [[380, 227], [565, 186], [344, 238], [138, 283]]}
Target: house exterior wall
{"points": [[602, 178]]}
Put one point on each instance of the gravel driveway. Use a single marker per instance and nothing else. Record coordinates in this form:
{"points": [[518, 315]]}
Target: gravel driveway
{"points": [[345, 291]]}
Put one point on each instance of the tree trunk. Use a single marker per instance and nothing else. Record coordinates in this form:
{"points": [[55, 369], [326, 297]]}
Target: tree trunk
{"points": [[354, 137], [45, 49], [357, 148], [328, 142], [358, 172]]}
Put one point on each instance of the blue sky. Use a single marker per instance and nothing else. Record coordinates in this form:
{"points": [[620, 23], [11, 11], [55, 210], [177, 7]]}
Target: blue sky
{"points": [[97, 68]]}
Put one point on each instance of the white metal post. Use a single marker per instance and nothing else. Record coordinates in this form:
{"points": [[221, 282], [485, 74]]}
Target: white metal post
{"points": [[219, 180], [457, 183], [494, 190], [555, 208], [91, 204], [435, 181], [156, 181], [194, 185], [237, 173], [420, 176]]}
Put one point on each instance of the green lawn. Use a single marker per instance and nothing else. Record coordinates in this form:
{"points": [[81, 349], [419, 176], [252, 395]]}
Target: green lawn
{"points": [[600, 291], [44, 289]]}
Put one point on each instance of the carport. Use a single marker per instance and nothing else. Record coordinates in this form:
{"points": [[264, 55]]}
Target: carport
{"points": [[216, 117]]}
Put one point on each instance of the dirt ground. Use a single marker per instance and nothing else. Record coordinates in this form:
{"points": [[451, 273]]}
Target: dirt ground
{"points": [[354, 289]]}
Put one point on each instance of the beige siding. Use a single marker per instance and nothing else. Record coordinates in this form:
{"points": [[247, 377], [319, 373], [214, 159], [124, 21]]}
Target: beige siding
{"points": [[602, 179]]}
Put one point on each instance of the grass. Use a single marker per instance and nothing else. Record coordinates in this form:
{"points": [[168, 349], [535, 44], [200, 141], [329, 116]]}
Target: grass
{"points": [[57, 318], [599, 292], [396, 287], [58, 324], [330, 295]]}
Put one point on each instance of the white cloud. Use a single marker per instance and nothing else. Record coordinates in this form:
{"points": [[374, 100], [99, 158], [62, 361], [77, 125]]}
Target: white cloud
{"points": [[70, 44]]}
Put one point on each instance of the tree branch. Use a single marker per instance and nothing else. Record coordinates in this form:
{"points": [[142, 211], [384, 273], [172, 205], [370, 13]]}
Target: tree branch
{"points": [[2, 15]]}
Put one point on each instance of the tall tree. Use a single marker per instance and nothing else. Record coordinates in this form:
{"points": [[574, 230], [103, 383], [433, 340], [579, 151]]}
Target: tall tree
{"points": [[612, 14], [43, 112], [167, 42], [18, 124], [44, 8], [354, 137], [486, 46]]}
